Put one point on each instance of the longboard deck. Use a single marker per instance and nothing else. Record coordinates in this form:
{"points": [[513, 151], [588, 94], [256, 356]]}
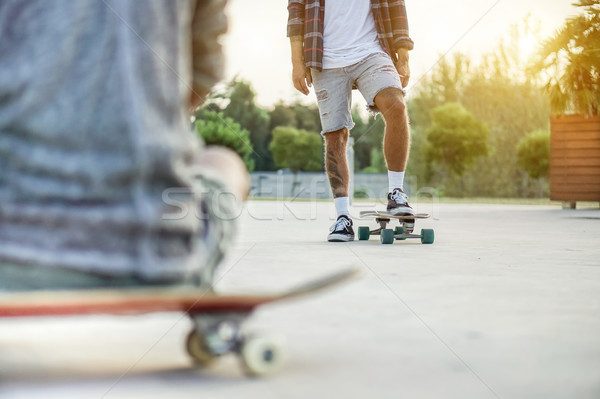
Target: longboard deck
{"points": [[147, 300], [389, 215]]}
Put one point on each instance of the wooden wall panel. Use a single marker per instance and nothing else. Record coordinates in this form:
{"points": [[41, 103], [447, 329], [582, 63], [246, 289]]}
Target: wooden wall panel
{"points": [[575, 158]]}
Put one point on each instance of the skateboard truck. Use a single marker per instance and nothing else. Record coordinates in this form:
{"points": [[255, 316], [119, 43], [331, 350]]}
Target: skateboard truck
{"points": [[215, 335], [220, 333]]}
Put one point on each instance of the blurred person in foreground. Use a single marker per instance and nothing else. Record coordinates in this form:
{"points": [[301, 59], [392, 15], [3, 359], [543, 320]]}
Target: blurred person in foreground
{"points": [[340, 45], [102, 182]]}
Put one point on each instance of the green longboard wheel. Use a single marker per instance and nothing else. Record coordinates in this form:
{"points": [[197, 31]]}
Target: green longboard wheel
{"points": [[400, 230], [387, 236], [364, 232], [427, 236]]}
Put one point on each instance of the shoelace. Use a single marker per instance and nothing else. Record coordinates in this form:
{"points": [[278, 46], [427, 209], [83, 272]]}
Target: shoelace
{"points": [[398, 196], [339, 224]]}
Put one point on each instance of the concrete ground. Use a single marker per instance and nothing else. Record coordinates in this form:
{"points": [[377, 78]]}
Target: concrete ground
{"points": [[505, 304]]}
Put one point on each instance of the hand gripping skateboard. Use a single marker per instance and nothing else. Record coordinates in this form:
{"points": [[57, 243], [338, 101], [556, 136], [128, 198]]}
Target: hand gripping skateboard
{"points": [[402, 232], [217, 318]]}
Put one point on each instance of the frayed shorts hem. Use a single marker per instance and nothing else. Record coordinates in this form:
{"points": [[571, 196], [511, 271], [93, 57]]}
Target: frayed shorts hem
{"points": [[372, 108], [348, 126]]}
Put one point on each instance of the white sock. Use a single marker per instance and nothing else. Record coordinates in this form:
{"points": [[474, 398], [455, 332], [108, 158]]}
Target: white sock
{"points": [[395, 180], [341, 205]]}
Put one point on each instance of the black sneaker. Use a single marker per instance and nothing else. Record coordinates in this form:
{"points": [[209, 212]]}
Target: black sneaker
{"points": [[398, 203], [341, 230]]}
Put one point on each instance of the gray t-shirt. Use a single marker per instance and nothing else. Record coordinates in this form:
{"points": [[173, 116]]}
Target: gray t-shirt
{"points": [[93, 130]]}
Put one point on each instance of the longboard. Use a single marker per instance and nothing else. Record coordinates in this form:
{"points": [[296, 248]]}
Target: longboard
{"points": [[402, 232], [217, 317]]}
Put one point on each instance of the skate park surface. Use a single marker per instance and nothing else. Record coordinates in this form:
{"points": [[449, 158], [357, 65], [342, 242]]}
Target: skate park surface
{"points": [[504, 304]]}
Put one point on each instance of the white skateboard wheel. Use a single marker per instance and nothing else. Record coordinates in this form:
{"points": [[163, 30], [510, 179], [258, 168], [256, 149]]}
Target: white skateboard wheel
{"points": [[260, 355]]}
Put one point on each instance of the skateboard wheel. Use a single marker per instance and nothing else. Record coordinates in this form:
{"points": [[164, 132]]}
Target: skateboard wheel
{"points": [[387, 236], [364, 232], [260, 356], [427, 236], [196, 348], [400, 230]]}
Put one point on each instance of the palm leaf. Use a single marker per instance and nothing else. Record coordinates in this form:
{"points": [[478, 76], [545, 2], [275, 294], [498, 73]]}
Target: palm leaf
{"points": [[570, 61]]}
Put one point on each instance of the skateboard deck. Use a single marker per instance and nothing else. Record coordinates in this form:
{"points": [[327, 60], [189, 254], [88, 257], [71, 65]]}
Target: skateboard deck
{"points": [[217, 317], [402, 232], [384, 214]]}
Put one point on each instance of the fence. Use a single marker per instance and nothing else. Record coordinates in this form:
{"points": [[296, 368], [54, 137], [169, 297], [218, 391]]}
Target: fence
{"points": [[315, 185], [575, 158]]}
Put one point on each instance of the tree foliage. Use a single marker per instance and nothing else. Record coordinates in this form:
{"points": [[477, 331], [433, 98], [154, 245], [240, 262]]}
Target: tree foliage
{"points": [[456, 138], [237, 100], [243, 109], [297, 150], [307, 117], [570, 60], [533, 154], [368, 139], [216, 129], [496, 90], [282, 115], [300, 116]]}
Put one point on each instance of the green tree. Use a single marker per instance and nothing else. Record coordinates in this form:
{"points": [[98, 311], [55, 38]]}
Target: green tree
{"points": [[456, 138], [297, 115], [511, 109], [243, 109], [209, 106], [377, 164], [216, 129], [533, 154], [282, 115], [497, 90], [571, 60], [444, 84], [362, 156], [297, 150], [368, 139], [307, 117]]}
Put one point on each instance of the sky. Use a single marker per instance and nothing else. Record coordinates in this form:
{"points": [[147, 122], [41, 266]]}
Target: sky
{"points": [[257, 48]]}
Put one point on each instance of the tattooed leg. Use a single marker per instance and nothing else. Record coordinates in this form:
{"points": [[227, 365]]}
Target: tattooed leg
{"points": [[396, 141], [336, 163]]}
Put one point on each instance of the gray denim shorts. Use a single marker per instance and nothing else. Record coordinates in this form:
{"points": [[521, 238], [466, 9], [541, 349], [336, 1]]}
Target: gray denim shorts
{"points": [[333, 88], [218, 212]]}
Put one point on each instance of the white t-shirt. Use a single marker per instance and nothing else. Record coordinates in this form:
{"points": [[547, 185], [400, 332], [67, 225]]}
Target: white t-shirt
{"points": [[349, 33]]}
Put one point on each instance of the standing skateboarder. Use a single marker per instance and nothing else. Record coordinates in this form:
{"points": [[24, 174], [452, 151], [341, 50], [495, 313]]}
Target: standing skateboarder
{"points": [[338, 45]]}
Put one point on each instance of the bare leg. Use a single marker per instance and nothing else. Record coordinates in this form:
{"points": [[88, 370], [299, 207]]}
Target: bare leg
{"points": [[336, 163], [396, 141]]}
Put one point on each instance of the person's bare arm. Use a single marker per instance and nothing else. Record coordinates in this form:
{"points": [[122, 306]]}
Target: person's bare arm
{"points": [[401, 41], [300, 73], [402, 66], [209, 22]]}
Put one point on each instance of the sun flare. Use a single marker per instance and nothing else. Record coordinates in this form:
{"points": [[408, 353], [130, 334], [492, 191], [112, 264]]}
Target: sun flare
{"points": [[527, 46]]}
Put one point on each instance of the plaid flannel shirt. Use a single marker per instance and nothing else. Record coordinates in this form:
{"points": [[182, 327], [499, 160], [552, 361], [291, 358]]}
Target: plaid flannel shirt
{"points": [[306, 18]]}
